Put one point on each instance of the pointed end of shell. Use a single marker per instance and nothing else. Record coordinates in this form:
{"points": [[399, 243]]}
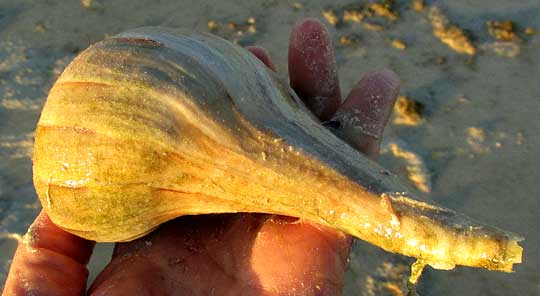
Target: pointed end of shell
{"points": [[514, 253]]}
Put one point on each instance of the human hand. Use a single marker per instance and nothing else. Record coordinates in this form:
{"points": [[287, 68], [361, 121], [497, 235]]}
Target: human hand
{"points": [[232, 254]]}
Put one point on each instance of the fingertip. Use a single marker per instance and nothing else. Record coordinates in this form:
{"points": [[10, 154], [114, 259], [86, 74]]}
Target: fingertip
{"points": [[44, 234], [366, 110], [374, 92], [263, 56], [312, 68], [49, 261], [386, 76], [309, 25]]}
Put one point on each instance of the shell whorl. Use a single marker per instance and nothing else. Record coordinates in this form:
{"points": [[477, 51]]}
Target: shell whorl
{"points": [[145, 110], [154, 123]]}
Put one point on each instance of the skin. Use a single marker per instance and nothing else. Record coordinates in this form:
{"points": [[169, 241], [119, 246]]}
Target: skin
{"points": [[208, 255]]}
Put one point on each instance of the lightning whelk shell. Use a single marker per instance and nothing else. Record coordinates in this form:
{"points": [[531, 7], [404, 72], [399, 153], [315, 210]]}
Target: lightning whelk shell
{"points": [[153, 124]]}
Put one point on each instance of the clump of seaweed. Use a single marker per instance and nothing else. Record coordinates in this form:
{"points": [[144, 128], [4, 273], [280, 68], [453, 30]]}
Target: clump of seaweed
{"points": [[418, 5], [330, 16], [417, 171], [449, 34], [502, 30], [234, 31], [507, 42], [357, 13], [399, 44], [408, 111]]}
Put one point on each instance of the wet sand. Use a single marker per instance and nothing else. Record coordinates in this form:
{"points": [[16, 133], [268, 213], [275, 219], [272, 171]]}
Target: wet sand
{"points": [[468, 143]]}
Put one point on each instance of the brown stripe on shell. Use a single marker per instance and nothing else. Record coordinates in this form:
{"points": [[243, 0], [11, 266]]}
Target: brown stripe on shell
{"points": [[82, 84], [76, 129], [140, 41]]}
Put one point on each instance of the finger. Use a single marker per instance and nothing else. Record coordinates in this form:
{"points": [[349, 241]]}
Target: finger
{"points": [[363, 115], [49, 261], [263, 56], [312, 68]]}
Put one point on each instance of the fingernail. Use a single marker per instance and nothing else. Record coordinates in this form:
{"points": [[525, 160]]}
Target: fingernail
{"points": [[263, 56]]}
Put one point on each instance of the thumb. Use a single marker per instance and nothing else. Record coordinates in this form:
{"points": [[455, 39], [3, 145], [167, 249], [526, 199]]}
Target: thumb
{"points": [[49, 261]]}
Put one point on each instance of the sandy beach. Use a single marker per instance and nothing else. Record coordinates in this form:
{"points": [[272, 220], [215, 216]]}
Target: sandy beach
{"points": [[463, 132]]}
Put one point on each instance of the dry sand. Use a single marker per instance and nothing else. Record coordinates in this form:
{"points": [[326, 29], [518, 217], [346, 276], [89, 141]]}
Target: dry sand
{"points": [[473, 147]]}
